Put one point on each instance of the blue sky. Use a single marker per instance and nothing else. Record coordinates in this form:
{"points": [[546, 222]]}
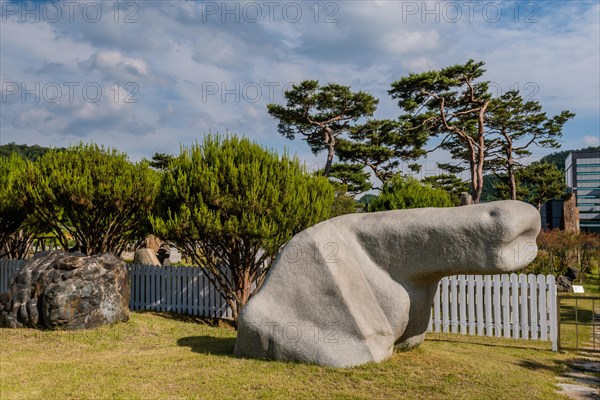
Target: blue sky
{"points": [[147, 76]]}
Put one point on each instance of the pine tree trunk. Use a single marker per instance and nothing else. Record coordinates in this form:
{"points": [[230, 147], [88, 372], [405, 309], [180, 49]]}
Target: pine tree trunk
{"points": [[512, 184], [330, 154]]}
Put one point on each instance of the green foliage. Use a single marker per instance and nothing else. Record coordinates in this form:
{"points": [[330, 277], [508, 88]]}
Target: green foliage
{"points": [[91, 195], [380, 145], [536, 184], [483, 133], [321, 114], [366, 199], [343, 203], [517, 125], [451, 184], [160, 161], [27, 152], [352, 176], [13, 211], [449, 103], [490, 189], [400, 193], [425, 88], [230, 205]]}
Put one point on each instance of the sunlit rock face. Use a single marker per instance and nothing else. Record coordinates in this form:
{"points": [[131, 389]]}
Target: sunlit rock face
{"points": [[347, 291]]}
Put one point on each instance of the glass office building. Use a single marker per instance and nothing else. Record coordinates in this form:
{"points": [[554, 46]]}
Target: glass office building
{"points": [[582, 170]]}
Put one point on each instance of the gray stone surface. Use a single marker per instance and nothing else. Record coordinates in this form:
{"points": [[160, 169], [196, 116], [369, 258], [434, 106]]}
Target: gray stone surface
{"points": [[60, 290], [348, 290], [146, 256]]}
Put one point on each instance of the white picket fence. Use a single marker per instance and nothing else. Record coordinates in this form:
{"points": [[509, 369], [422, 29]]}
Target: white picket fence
{"points": [[183, 290], [508, 306], [7, 269]]}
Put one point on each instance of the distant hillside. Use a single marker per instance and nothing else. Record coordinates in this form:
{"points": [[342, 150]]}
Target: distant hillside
{"points": [[28, 152], [559, 157], [489, 192]]}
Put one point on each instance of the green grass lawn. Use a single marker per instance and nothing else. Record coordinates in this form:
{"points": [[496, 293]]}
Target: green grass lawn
{"points": [[161, 356]]}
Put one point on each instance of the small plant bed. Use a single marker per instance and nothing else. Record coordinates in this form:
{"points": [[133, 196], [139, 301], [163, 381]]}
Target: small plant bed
{"points": [[165, 356]]}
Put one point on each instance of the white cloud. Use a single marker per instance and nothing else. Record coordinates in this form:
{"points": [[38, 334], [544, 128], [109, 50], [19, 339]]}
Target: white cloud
{"points": [[401, 42], [590, 140], [114, 64], [172, 54]]}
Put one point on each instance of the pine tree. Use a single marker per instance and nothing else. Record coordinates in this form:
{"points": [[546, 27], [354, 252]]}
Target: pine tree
{"points": [[516, 125], [321, 114], [380, 146], [450, 103]]}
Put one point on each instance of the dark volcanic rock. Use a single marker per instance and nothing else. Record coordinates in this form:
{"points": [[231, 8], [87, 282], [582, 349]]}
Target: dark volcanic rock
{"points": [[563, 284], [572, 273], [60, 290]]}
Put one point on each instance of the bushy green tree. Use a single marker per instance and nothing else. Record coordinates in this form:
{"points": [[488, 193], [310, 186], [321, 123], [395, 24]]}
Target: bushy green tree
{"points": [[540, 182], [25, 151], [90, 195], [399, 193], [451, 184], [13, 211], [160, 161], [343, 202], [230, 205]]}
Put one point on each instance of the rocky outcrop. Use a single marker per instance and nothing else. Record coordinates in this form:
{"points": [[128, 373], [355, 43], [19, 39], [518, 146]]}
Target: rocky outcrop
{"points": [[146, 256], [152, 242], [564, 284], [348, 290], [60, 290]]}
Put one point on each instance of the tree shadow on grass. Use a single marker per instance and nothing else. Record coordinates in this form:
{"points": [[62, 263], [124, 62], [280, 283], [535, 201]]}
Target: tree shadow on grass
{"points": [[208, 345], [556, 366], [208, 321]]}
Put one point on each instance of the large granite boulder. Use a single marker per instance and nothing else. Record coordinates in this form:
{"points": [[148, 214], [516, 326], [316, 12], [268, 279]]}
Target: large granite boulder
{"points": [[60, 290], [348, 290]]}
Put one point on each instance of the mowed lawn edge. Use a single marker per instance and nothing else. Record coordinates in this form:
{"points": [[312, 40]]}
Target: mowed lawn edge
{"points": [[162, 356]]}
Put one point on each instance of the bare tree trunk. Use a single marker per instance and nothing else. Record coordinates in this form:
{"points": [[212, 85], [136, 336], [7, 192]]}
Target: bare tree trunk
{"points": [[512, 183], [330, 154], [243, 291], [510, 168], [480, 154]]}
